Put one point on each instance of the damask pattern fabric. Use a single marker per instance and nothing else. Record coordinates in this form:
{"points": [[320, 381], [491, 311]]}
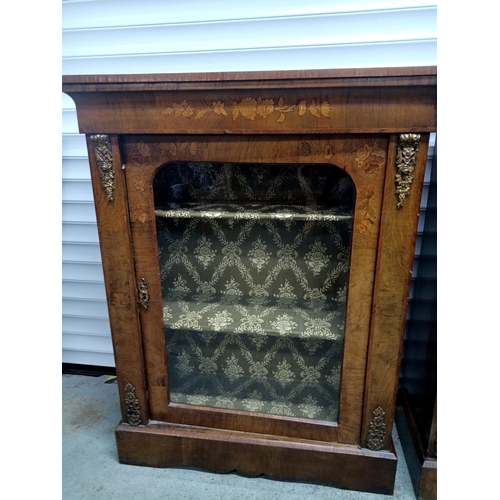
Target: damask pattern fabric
{"points": [[254, 293]]}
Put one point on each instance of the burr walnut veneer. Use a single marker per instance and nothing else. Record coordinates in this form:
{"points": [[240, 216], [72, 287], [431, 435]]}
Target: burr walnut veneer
{"points": [[257, 234]]}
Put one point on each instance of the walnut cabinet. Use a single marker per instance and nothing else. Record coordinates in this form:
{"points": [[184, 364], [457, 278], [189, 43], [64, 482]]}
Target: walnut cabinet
{"points": [[257, 234]]}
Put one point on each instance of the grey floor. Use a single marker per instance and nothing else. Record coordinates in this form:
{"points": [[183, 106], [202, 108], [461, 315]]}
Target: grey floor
{"points": [[91, 469]]}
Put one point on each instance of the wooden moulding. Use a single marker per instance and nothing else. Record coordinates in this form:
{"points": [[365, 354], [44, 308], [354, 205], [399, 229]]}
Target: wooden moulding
{"points": [[332, 101], [251, 455]]}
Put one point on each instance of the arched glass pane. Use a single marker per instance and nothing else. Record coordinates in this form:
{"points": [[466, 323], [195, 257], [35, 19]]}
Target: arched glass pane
{"points": [[254, 263]]}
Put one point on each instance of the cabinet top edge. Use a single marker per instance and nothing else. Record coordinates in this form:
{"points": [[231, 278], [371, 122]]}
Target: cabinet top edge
{"points": [[421, 75]]}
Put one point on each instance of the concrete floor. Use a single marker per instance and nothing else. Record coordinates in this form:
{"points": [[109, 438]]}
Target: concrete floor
{"points": [[91, 470]]}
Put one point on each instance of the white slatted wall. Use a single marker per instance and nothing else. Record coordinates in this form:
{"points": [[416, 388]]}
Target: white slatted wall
{"points": [[105, 37]]}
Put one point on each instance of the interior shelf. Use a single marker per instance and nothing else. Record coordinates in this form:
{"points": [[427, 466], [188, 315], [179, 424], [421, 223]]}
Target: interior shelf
{"points": [[314, 319], [249, 211]]}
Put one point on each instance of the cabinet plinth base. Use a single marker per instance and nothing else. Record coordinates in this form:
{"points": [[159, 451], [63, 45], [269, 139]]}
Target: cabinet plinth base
{"points": [[222, 451]]}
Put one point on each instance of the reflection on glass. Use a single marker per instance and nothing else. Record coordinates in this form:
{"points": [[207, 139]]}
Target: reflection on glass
{"points": [[254, 261]]}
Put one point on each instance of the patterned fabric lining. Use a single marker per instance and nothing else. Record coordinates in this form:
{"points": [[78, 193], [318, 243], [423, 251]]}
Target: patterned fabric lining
{"points": [[254, 302]]}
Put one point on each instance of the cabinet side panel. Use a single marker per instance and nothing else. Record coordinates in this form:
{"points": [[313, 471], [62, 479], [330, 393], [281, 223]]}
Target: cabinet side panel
{"points": [[392, 281], [116, 250]]}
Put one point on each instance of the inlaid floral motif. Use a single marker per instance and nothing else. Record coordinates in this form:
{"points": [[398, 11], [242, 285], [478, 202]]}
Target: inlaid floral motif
{"points": [[250, 108], [247, 107], [365, 225], [218, 109], [265, 107], [364, 206], [139, 184], [182, 109], [143, 149], [370, 158]]}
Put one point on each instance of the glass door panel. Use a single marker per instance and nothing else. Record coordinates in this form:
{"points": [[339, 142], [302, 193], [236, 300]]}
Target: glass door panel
{"points": [[254, 262]]}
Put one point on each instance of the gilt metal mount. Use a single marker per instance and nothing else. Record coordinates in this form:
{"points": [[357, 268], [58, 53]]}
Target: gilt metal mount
{"points": [[405, 163], [132, 406], [376, 431], [104, 160]]}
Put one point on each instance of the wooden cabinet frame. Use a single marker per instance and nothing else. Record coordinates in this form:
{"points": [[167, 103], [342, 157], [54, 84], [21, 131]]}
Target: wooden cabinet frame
{"points": [[136, 123]]}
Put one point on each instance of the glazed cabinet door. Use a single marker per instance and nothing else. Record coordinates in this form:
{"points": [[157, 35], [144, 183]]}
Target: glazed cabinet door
{"points": [[255, 262]]}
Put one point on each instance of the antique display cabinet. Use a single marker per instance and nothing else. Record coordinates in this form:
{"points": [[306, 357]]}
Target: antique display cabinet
{"points": [[257, 234]]}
